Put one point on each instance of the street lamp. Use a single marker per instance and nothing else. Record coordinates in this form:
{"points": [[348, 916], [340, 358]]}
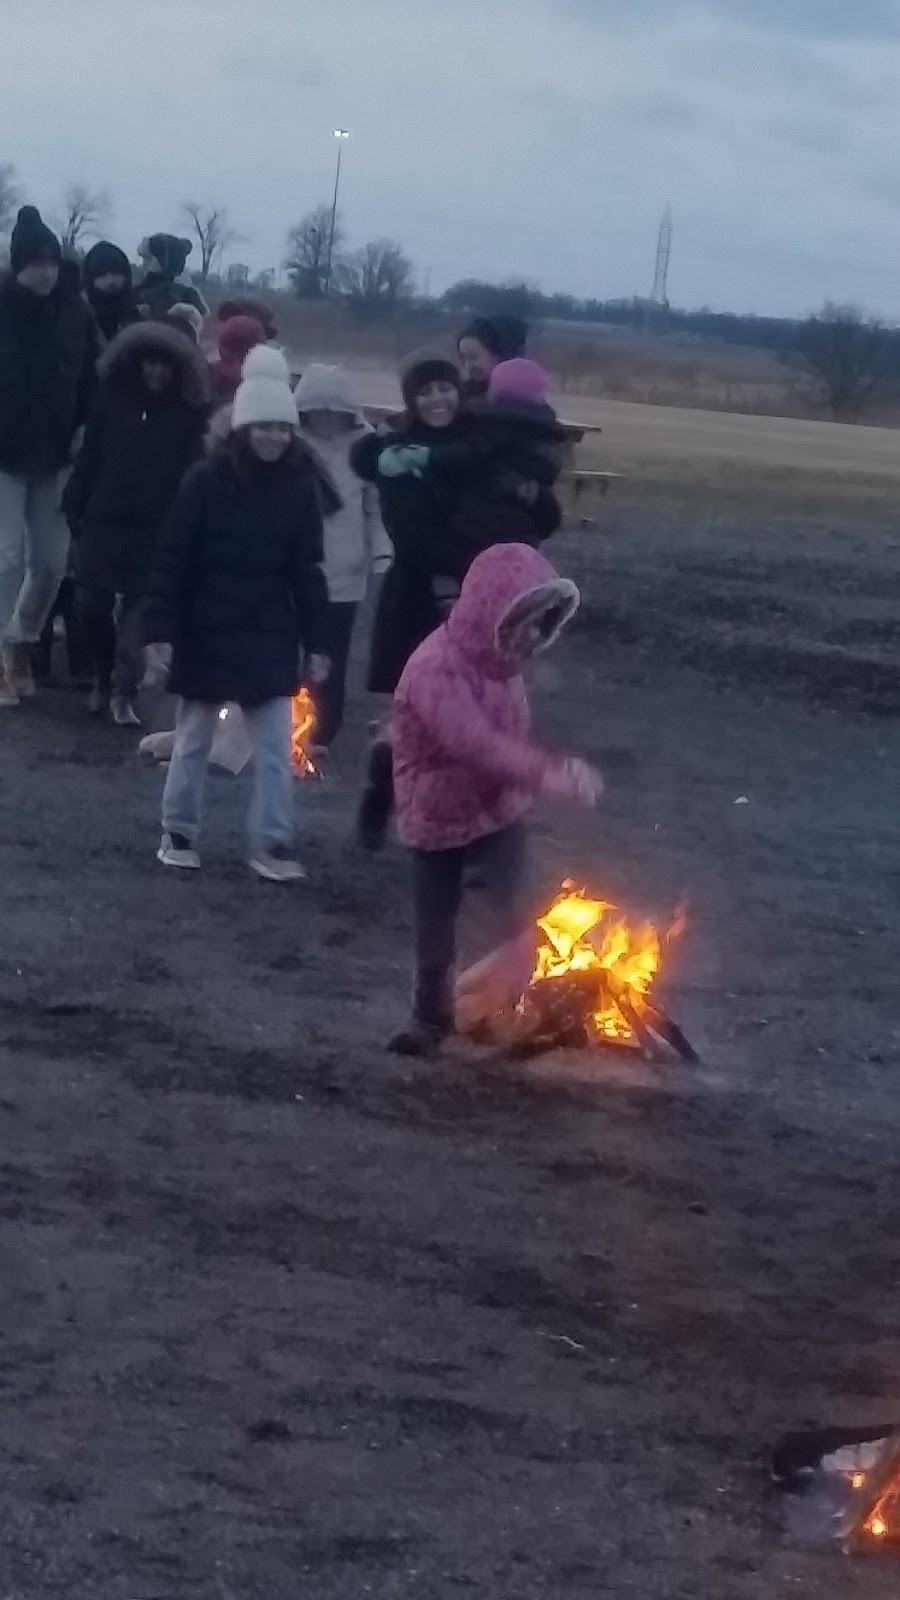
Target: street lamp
{"points": [[341, 135]]}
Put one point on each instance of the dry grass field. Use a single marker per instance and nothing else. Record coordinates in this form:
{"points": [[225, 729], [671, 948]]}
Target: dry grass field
{"points": [[606, 363]]}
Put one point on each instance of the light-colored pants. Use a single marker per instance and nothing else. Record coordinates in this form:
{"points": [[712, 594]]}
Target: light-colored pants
{"points": [[271, 818], [34, 553]]}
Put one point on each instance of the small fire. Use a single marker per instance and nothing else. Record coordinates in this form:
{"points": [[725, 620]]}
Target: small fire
{"points": [[585, 935], [303, 726]]}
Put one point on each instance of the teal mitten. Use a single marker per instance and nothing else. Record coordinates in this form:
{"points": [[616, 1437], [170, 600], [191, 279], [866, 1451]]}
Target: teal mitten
{"points": [[399, 459]]}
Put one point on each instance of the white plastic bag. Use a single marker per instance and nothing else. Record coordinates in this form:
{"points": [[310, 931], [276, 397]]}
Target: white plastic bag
{"points": [[231, 747]]}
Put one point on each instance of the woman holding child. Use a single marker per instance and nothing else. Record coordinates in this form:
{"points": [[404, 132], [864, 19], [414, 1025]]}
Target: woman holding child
{"points": [[454, 481]]}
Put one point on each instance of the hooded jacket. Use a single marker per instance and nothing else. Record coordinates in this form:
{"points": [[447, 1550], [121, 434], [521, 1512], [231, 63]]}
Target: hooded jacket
{"points": [[465, 764], [355, 537], [113, 311], [48, 356], [237, 587], [137, 448]]}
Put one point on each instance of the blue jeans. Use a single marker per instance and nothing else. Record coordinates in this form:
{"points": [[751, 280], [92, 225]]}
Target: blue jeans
{"points": [[270, 823]]}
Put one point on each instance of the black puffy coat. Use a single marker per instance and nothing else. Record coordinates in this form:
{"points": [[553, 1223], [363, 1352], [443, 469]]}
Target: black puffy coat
{"points": [[48, 356], [156, 295], [237, 586], [417, 516], [137, 448], [500, 473]]}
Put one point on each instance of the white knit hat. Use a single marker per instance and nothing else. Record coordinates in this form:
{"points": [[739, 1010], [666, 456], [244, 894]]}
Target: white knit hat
{"points": [[263, 400], [323, 388], [266, 361]]}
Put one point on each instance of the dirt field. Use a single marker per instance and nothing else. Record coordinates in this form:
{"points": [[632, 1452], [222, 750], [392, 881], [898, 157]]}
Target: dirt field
{"points": [[282, 1317]]}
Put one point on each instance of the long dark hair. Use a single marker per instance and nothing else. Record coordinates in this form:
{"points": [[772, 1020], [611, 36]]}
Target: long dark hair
{"points": [[297, 459]]}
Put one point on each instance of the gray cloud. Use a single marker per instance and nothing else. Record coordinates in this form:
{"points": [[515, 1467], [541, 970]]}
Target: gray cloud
{"points": [[294, 71], [535, 137], [814, 19]]}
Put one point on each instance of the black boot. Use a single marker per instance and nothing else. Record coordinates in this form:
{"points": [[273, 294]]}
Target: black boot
{"points": [[377, 799], [421, 1040]]}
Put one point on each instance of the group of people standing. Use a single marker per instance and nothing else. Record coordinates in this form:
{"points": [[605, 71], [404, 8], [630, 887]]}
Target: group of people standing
{"points": [[213, 526]]}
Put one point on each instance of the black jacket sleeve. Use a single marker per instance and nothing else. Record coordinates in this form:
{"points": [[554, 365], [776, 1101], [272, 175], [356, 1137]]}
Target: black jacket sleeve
{"points": [[167, 595], [88, 464], [87, 388], [546, 513], [308, 586], [364, 456]]}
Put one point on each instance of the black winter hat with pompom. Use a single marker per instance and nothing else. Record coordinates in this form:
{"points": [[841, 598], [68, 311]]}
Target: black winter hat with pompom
{"points": [[32, 241]]}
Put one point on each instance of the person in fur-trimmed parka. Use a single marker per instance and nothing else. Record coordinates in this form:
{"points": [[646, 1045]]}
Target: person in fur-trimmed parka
{"points": [[146, 429]]}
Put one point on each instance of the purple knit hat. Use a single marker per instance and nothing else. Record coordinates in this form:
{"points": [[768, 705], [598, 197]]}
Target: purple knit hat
{"points": [[519, 379]]}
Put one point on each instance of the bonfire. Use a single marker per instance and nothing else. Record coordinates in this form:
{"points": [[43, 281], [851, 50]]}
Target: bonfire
{"points": [[591, 983], [303, 727]]}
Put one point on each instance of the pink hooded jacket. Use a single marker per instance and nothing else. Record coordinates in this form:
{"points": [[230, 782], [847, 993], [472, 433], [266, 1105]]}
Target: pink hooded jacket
{"points": [[464, 762]]}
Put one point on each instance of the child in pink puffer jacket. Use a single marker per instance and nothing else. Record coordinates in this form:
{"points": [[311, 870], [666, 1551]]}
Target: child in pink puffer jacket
{"points": [[466, 770]]}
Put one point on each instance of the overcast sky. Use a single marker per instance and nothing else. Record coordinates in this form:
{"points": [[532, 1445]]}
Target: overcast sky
{"points": [[536, 138]]}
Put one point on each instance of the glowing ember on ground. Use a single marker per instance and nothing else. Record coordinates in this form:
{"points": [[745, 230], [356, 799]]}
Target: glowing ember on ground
{"points": [[872, 1518], [303, 726]]}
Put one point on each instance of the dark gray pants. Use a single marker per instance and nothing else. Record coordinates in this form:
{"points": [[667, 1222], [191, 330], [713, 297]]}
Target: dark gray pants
{"points": [[112, 633], [497, 863]]}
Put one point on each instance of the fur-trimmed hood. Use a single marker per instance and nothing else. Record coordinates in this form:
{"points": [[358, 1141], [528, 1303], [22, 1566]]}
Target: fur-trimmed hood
{"points": [[122, 357]]}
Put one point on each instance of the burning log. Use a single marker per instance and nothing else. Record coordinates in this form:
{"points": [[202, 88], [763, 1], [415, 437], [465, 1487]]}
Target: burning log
{"points": [[589, 985]]}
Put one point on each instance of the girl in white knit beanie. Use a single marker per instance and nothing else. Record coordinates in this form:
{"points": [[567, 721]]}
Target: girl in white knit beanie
{"points": [[235, 613]]}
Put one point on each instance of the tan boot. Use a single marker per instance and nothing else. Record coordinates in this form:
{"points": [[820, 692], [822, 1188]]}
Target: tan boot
{"points": [[17, 670], [8, 693]]}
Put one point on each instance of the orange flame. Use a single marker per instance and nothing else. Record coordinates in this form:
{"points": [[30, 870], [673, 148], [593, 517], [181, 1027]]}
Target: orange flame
{"points": [[583, 935], [303, 726]]}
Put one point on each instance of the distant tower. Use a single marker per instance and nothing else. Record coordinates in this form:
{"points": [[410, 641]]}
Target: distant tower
{"points": [[660, 295]]}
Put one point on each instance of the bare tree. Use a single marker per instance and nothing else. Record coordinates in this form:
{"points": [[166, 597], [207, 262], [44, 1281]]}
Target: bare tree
{"points": [[376, 277], [846, 358], [85, 214], [10, 196], [214, 233], [309, 243]]}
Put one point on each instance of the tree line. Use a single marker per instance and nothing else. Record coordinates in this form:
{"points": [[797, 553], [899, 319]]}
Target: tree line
{"points": [[848, 360]]}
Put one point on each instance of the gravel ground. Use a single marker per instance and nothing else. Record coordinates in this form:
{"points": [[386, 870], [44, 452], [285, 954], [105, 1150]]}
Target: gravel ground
{"points": [[284, 1317]]}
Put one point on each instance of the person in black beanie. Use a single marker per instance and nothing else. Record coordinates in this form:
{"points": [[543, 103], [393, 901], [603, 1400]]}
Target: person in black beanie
{"points": [[166, 282], [108, 288], [48, 356], [483, 344]]}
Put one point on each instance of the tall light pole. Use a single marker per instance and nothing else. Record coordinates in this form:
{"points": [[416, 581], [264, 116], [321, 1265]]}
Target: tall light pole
{"points": [[341, 135]]}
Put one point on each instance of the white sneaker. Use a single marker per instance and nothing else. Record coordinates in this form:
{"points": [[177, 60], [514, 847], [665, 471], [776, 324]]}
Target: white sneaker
{"points": [[123, 712], [177, 851], [277, 866]]}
